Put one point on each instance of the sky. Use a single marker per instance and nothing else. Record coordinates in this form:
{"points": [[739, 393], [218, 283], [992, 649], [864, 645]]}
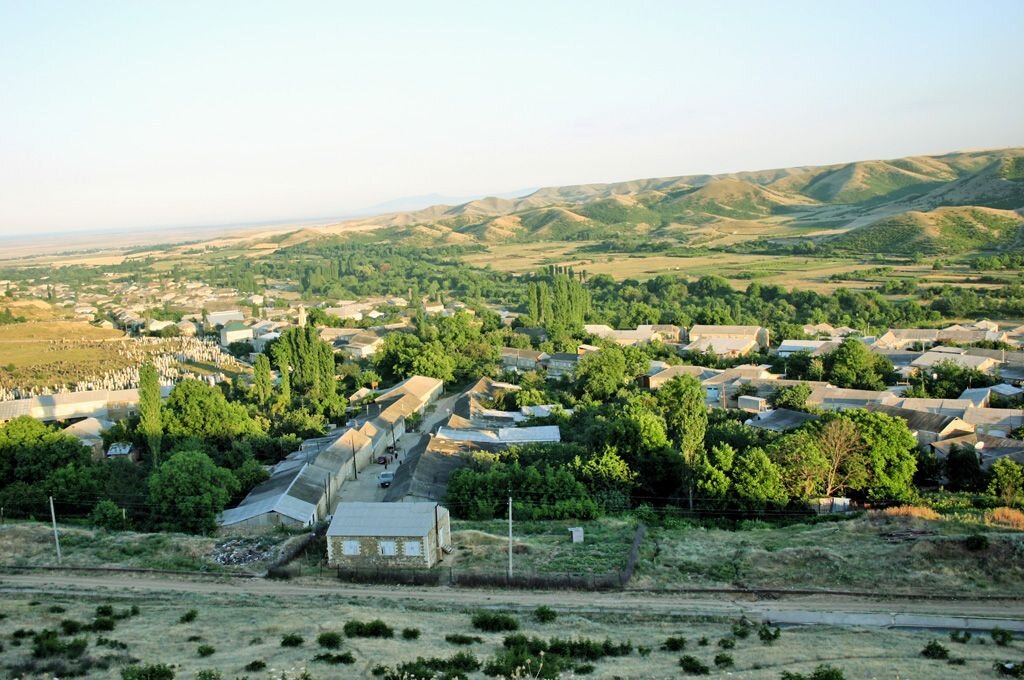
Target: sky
{"points": [[144, 114]]}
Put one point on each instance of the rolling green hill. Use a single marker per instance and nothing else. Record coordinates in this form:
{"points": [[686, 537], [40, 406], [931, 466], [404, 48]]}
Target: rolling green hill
{"points": [[896, 206], [940, 231]]}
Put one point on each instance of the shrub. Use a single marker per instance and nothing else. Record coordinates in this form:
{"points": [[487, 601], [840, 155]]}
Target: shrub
{"points": [[544, 614], [453, 667], [917, 511], [933, 650], [257, 665], [643, 651], [822, 672], [741, 629], [105, 610], [369, 629], [460, 639], [956, 661], [410, 633], [189, 616], [194, 638], [69, 627], [1009, 669], [961, 636], [335, 659], [291, 640], [1001, 637], [151, 672], [692, 666], [674, 644], [209, 675], [494, 622], [102, 624], [1008, 517], [584, 669], [727, 643], [329, 640], [108, 642], [976, 542], [767, 634], [56, 609], [206, 650], [723, 661], [702, 642], [46, 644], [134, 611]]}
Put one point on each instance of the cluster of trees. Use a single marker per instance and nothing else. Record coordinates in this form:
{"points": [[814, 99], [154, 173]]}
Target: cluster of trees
{"points": [[560, 304], [851, 364], [7, 317], [624, 447]]}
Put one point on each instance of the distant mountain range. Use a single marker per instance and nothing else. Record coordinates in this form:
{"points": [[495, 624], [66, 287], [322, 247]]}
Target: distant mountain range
{"points": [[927, 204]]}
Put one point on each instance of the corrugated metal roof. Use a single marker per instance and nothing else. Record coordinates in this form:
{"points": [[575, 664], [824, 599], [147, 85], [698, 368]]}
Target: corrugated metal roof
{"points": [[413, 520]]}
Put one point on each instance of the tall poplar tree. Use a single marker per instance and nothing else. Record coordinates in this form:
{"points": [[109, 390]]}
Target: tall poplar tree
{"points": [[150, 423]]}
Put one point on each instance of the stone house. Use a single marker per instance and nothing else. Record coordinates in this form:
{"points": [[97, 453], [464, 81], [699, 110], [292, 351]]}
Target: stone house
{"points": [[388, 535]]}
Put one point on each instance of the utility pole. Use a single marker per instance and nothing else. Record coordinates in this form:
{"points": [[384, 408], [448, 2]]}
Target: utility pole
{"points": [[56, 538], [509, 538], [355, 470]]}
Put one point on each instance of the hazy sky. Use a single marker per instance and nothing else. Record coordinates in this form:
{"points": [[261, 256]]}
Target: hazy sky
{"points": [[147, 113]]}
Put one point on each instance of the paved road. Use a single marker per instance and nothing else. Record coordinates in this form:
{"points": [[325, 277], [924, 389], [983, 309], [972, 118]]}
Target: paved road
{"points": [[816, 609]]}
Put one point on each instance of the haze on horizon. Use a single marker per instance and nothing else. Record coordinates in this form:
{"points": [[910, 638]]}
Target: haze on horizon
{"points": [[119, 115]]}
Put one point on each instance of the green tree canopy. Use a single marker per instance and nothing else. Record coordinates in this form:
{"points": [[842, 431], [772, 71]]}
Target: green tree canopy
{"points": [[195, 409], [188, 491]]}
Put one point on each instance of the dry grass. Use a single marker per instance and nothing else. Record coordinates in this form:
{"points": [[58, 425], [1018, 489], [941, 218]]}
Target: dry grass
{"points": [[920, 556], [27, 543], [917, 511], [245, 627], [1007, 517]]}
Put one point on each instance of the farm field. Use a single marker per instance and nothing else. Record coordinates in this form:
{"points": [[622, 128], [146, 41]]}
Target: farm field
{"points": [[243, 634], [789, 271]]}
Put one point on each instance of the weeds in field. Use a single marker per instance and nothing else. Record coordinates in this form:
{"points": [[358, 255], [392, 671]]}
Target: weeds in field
{"points": [[822, 672], [1001, 637], [1008, 517], [934, 650], [206, 650], [150, 672], [691, 665], [189, 616], [494, 622], [544, 614], [329, 640], [460, 639], [915, 511], [291, 640], [723, 660], [410, 633], [335, 659], [674, 644], [961, 636], [369, 629]]}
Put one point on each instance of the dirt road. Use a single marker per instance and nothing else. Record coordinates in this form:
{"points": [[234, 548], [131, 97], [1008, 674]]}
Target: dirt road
{"points": [[814, 609]]}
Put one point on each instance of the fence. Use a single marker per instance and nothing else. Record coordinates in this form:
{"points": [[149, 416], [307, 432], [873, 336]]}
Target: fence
{"points": [[498, 579]]}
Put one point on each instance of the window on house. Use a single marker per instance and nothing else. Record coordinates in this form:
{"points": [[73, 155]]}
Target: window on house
{"points": [[412, 548], [387, 548], [350, 548]]}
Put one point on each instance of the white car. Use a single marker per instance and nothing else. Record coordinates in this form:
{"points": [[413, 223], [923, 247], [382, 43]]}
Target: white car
{"points": [[385, 479]]}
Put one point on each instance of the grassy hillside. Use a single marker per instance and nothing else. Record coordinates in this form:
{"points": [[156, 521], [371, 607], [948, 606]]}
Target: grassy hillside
{"points": [[940, 231], [897, 203]]}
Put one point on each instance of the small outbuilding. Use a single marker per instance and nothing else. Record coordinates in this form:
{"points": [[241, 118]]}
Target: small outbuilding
{"points": [[382, 535]]}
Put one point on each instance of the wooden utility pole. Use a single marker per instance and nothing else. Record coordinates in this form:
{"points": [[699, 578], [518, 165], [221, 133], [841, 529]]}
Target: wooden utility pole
{"points": [[56, 538], [510, 538]]}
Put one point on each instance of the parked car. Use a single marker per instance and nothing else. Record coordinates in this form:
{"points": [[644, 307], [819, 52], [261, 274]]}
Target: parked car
{"points": [[385, 479], [381, 460]]}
